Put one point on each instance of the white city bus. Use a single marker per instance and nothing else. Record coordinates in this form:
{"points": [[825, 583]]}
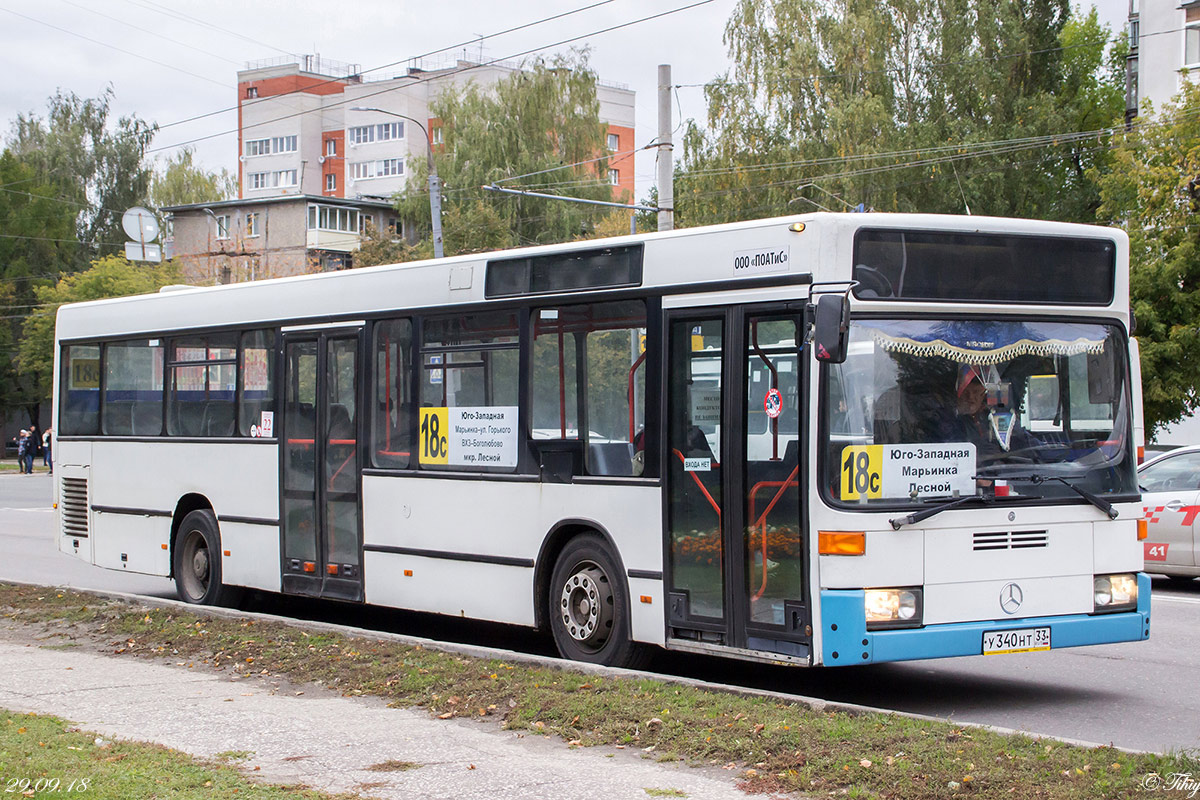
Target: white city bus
{"points": [[738, 440]]}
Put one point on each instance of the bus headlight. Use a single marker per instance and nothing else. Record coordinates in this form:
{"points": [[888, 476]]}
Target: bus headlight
{"points": [[892, 608], [1115, 592]]}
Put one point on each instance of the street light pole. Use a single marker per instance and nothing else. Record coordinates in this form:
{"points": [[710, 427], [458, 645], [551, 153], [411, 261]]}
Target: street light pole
{"points": [[435, 185]]}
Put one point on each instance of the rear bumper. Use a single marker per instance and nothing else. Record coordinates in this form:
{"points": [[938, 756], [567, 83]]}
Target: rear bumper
{"points": [[846, 641]]}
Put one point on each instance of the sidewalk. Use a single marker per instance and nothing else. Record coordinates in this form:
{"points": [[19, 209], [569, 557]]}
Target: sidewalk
{"points": [[317, 738]]}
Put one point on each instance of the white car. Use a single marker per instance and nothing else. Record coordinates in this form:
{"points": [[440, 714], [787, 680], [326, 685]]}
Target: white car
{"points": [[1171, 500]]}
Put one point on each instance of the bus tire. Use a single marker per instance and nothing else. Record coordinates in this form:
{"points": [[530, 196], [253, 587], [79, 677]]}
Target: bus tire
{"points": [[197, 562], [589, 607]]}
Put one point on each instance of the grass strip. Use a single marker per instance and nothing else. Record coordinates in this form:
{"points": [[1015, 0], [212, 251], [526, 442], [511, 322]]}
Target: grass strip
{"points": [[774, 746], [43, 756]]}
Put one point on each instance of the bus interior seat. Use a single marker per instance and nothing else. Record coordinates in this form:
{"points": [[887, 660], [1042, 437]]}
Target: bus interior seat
{"points": [[118, 417], [340, 424], [218, 418], [610, 458], [147, 418], [185, 418]]}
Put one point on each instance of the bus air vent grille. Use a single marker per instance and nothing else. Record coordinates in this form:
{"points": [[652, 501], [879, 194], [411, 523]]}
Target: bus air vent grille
{"points": [[74, 506], [1010, 540]]}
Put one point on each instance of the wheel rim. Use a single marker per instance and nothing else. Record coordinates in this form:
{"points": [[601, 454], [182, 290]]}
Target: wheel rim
{"points": [[586, 606], [196, 566]]}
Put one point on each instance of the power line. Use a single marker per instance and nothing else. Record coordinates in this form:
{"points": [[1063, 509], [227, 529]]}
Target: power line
{"points": [[455, 71], [114, 47], [331, 81]]}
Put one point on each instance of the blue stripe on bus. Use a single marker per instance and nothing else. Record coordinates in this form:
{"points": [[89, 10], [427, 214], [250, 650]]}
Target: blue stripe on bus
{"points": [[846, 641]]}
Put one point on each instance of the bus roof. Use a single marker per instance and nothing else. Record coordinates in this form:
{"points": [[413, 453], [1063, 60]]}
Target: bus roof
{"points": [[694, 257]]}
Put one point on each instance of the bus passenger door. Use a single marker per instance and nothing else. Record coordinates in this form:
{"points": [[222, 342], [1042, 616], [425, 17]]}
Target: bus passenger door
{"points": [[319, 506], [737, 566]]}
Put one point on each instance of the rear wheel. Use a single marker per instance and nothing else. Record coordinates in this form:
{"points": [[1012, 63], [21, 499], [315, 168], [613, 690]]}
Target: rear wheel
{"points": [[197, 562], [589, 607]]}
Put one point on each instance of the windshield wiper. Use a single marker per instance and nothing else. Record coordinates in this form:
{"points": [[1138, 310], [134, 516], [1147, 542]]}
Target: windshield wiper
{"points": [[926, 513], [1098, 502]]}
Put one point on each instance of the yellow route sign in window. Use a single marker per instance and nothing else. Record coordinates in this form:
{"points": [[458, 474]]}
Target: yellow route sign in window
{"points": [[862, 472], [435, 424]]}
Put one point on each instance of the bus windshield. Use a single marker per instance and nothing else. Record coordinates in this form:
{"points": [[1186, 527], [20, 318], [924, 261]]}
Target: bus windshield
{"points": [[928, 409]]}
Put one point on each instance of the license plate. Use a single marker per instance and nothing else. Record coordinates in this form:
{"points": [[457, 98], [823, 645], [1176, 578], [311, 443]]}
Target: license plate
{"points": [[1020, 640]]}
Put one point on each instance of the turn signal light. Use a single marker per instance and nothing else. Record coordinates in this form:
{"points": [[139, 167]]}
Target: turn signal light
{"points": [[1143, 529], [332, 569], [842, 543], [309, 566], [1141, 454]]}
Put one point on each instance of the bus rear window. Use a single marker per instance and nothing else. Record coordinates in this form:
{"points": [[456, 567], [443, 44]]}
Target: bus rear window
{"points": [[983, 268], [80, 412]]}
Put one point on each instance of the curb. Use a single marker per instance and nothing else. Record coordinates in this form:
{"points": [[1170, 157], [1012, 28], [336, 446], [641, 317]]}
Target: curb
{"points": [[477, 651]]}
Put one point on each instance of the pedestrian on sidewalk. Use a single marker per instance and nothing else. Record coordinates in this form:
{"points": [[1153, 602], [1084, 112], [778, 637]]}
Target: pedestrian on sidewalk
{"points": [[47, 459], [22, 451]]}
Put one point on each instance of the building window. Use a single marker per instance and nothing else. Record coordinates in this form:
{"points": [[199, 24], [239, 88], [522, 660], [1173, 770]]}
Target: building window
{"points": [[384, 168], [333, 218], [1191, 38], [331, 182], [389, 130], [395, 227], [331, 147], [257, 180], [363, 134], [436, 133], [614, 177], [222, 221], [251, 92], [284, 177], [614, 141], [277, 144], [252, 224]]}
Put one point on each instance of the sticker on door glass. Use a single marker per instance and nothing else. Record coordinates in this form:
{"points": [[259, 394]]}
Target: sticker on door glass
{"points": [[483, 436], [907, 470], [773, 403]]}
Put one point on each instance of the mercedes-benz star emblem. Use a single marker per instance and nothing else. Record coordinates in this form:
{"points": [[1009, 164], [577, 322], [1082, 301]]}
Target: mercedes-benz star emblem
{"points": [[1010, 598]]}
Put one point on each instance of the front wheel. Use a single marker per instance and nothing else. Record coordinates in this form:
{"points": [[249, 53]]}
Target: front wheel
{"points": [[197, 562], [589, 607]]}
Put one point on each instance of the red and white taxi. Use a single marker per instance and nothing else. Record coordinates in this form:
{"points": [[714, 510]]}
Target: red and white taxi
{"points": [[1171, 498]]}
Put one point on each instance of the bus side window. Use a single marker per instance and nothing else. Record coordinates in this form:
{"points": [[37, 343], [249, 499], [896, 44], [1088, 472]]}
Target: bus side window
{"points": [[392, 411], [256, 392]]}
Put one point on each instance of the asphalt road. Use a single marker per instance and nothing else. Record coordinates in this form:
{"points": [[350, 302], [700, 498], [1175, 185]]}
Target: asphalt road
{"points": [[1136, 695]]}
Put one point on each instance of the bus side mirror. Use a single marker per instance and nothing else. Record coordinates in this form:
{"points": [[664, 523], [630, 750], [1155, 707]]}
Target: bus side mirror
{"points": [[831, 328]]}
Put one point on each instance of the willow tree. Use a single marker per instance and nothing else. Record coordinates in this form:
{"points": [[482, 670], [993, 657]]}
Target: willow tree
{"points": [[1153, 191], [542, 122], [891, 104]]}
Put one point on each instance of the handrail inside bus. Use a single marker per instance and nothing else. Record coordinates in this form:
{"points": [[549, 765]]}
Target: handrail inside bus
{"points": [[761, 522], [774, 385], [716, 506], [632, 374]]}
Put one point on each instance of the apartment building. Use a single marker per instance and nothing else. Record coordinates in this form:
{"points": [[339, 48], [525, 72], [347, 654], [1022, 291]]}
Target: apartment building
{"points": [[303, 127], [247, 239], [1164, 51]]}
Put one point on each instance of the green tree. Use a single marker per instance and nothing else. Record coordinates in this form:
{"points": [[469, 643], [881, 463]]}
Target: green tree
{"points": [[180, 181], [95, 164], [1153, 192], [543, 119], [890, 103], [108, 276], [38, 241]]}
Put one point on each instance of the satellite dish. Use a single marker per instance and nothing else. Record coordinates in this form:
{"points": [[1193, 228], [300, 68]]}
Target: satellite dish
{"points": [[140, 225]]}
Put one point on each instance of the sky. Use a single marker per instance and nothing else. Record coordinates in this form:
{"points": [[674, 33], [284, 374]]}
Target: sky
{"points": [[168, 61]]}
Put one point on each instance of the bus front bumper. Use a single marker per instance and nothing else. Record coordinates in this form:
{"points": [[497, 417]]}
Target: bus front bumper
{"points": [[846, 640]]}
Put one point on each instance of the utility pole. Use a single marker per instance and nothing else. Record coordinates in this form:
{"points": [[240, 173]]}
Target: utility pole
{"points": [[435, 186], [666, 166]]}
